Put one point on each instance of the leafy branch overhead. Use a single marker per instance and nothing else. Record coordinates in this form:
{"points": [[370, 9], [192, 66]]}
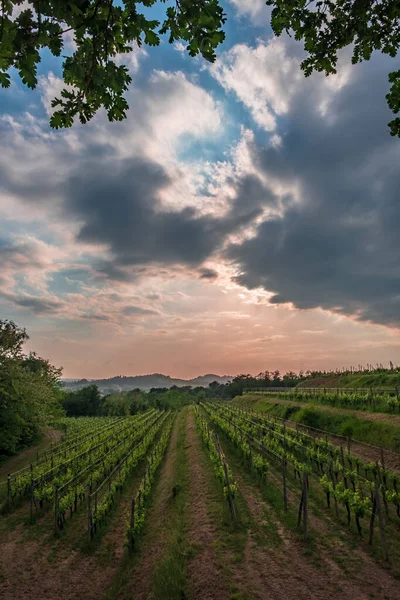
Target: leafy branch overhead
{"points": [[103, 30]]}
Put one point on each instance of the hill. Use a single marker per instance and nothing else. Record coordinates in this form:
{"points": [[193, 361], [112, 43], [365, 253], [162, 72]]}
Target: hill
{"points": [[356, 380], [145, 382]]}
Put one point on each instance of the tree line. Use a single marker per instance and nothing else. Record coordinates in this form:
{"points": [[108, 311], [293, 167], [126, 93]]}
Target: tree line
{"points": [[32, 393]]}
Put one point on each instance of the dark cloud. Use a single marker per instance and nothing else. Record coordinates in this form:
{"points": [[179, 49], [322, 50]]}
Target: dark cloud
{"points": [[338, 248], [38, 306], [94, 317], [208, 274], [118, 203]]}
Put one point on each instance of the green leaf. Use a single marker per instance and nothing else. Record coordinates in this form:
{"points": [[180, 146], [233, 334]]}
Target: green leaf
{"points": [[151, 38], [5, 81]]}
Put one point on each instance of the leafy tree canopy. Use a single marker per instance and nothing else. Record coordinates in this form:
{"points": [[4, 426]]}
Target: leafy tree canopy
{"points": [[103, 30], [30, 393]]}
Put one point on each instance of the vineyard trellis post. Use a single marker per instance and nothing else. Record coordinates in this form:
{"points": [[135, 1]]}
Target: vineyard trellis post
{"points": [[9, 492], [90, 513], [230, 499], [32, 493], [56, 511], [132, 525], [285, 504], [303, 508], [382, 482], [380, 522], [305, 505]]}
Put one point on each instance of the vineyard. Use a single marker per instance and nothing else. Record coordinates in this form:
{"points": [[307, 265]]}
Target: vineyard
{"points": [[211, 501], [362, 399]]}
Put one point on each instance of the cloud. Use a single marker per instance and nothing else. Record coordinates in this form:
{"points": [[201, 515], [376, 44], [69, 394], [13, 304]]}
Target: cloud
{"points": [[209, 274], [254, 76], [256, 10], [39, 306], [267, 79], [136, 311], [335, 246]]}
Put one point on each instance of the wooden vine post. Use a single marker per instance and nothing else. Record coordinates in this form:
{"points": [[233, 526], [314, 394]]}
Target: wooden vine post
{"points": [[32, 494], [90, 513], [8, 492], [230, 499], [131, 540], [371, 523], [305, 505], [285, 504], [56, 503], [380, 522]]}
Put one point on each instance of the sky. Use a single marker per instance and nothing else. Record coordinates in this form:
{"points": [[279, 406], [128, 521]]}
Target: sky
{"points": [[242, 218]]}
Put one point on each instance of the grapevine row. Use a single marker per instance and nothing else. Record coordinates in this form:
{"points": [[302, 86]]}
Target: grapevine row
{"points": [[138, 507], [360, 496], [101, 500], [221, 468]]}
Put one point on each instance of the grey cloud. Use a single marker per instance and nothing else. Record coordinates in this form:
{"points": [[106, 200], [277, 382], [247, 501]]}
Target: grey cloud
{"points": [[94, 317], [38, 306], [137, 311], [118, 203], [208, 274], [339, 248]]}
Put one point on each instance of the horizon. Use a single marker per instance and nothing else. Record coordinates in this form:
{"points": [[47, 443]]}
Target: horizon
{"points": [[242, 215]]}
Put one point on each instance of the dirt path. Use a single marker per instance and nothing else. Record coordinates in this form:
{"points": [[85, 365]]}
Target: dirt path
{"points": [[205, 577]]}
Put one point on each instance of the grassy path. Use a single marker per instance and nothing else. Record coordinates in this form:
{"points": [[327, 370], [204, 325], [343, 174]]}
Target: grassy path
{"points": [[253, 399], [157, 567], [206, 579]]}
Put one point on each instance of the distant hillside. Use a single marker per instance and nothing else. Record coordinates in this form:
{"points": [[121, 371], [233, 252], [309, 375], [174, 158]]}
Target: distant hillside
{"points": [[374, 380], [145, 382]]}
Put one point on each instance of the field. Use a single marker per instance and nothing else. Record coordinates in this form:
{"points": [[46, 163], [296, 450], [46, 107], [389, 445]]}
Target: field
{"points": [[214, 501]]}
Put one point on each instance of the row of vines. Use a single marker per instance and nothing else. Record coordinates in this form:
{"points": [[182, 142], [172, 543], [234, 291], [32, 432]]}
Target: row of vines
{"points": [[299, 463]]}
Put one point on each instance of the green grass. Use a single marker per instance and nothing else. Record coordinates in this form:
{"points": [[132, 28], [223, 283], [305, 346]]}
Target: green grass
{"points": [[170, 576], [378, 433]]}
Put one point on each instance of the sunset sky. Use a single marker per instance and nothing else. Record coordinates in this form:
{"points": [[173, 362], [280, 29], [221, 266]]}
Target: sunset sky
{"points": [[242, 218]]}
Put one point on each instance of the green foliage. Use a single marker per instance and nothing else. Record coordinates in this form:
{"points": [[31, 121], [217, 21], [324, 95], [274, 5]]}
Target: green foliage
{"points": [[84, 402], [102, 31], [378, 433], [326, 27], [29, 391]]}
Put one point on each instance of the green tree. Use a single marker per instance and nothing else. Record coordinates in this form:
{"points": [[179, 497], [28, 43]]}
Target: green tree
{"points": [[327, 26], [105, 29], [102, 30], [30, 391], [12, 338], [84, 402]]}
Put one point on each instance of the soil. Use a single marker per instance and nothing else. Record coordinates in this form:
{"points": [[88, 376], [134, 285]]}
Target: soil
{"points": [[275, 565], [285, 572], [205, 577]]}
